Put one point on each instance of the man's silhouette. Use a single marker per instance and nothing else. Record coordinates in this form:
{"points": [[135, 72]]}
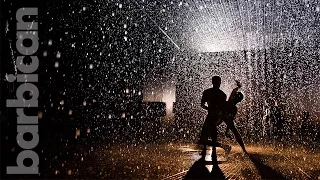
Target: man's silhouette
{"points": [[212, 100]]}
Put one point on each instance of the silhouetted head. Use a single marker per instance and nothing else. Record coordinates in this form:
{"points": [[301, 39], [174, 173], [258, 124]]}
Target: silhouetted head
{"points": [[216, 81], [238, 97]]}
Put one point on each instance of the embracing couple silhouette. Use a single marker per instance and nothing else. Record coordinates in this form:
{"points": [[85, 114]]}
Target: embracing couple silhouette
{"points": [[214, 100]]}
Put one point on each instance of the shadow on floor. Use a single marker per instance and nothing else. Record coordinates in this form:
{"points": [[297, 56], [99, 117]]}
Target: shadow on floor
{"points": [[199, 171], [265, 171]]}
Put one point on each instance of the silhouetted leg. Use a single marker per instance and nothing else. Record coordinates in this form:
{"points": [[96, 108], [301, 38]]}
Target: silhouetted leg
{"points": [[203, 152], [214, 137], [204, 137], [205, 132], [237, 136]]}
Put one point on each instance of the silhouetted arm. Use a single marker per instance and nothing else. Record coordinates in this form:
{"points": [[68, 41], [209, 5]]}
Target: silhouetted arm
{"points": [[203, 101], [235, 90]]}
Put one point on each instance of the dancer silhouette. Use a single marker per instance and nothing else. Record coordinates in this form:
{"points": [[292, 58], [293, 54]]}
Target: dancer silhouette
{"points": [[212, 100]]}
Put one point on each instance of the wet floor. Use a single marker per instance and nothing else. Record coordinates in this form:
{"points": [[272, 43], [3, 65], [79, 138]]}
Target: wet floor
{"points": [[179, 161]]}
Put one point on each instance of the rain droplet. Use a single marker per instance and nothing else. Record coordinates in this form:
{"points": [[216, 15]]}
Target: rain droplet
{"points": [[56, 64], [40, 114], [58, 55]]}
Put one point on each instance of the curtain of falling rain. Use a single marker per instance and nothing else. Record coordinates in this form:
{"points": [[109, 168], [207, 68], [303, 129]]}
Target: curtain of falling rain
{"points": [[137, 52]]}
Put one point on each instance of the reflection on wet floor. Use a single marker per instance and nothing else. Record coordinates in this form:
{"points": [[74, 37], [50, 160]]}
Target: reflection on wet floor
{"points": [[261, 163], [177, 161]]}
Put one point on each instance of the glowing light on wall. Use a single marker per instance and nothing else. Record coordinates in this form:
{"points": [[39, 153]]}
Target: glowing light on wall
{"points": [[169, 97]]}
